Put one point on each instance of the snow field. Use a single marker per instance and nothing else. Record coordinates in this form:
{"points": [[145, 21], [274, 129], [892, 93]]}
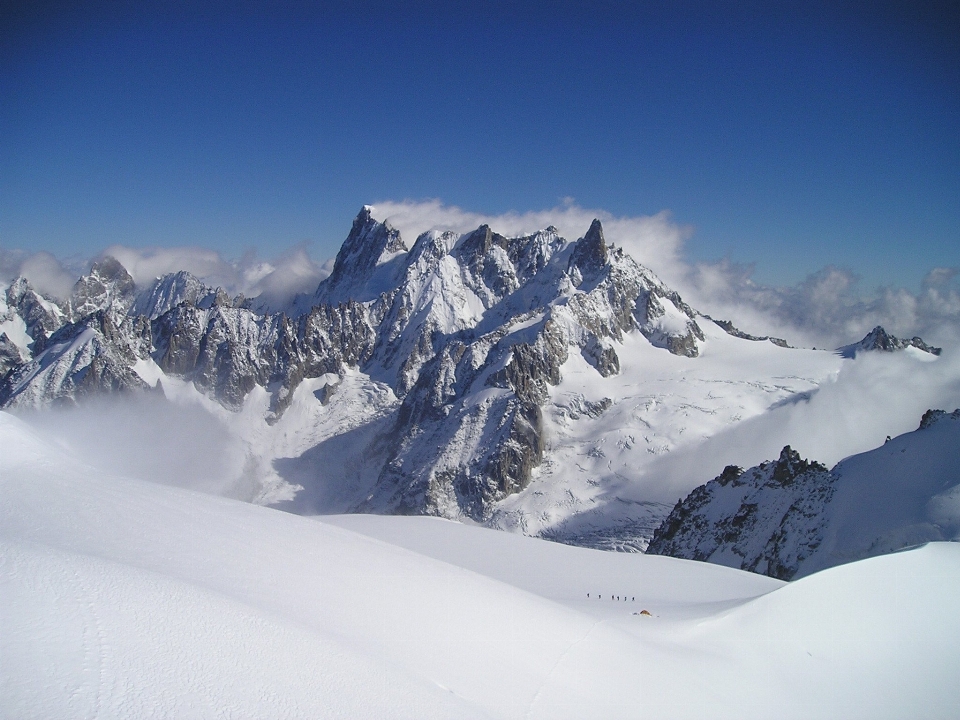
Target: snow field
{"points": [[123, 598]]}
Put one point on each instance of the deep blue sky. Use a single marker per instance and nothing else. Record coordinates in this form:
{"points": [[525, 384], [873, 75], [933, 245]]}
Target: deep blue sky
{"points": [[790, 138]]}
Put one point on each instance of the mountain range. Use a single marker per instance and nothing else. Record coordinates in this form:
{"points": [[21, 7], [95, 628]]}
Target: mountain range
{"points": [[526, 383]]}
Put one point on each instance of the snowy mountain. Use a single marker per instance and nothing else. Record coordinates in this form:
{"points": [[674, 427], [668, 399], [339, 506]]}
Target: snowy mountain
{"points": [[123, 598], [878, 339], [529, 383], [793, 517]]}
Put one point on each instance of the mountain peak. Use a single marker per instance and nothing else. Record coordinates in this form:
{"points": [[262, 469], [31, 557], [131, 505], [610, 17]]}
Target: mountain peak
{"points": [[590, 253], [107, 284], [932, 417], [369, 244], [879, 339]]}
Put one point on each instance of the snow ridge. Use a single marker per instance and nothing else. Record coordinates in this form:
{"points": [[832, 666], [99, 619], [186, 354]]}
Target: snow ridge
{"points": [[792, 517]]}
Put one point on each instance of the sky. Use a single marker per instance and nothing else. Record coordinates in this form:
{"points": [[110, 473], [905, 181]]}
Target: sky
{"points": [[782, 142]]}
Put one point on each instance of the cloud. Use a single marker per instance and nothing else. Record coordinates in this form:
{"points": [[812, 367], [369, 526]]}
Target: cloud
{"points": [[46, 274], [290, 274], [275, 281], [876, 395], [653, 240], [147, 437], [826, 309], [145, 264]]}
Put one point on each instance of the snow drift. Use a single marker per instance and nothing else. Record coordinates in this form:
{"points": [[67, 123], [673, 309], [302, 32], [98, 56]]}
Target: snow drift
{"points": [[124, 598]]}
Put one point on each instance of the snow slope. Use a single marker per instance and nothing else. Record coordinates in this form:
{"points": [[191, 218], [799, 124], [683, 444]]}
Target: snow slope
{"points": [[792, 517], [123, 598]]}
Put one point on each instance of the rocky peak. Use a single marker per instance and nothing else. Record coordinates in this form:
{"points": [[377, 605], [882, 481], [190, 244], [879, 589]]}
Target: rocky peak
{"points": [[9, 354], [40, 315], [167, 292], [107, 285], [590, 253], [790, 465], [932, 417], [731, 473], [878, 339], [369, 244], [765, 519]]}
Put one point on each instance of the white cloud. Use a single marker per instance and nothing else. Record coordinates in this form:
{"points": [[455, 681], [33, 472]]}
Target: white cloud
{"points": [[46, 274], [146, 264], [827, 309], [276, 281], [876, 395], [654, 240], [286, 276], [133, 436]]}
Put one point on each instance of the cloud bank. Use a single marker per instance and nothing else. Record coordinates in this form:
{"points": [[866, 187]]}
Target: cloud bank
{"points": [[45, 272], [133, 436], [655, 241], [275, 281], [876, 395]]}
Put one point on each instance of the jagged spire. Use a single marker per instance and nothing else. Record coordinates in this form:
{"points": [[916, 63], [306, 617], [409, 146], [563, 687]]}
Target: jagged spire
{"points": [[369, 240], [590, 253]]}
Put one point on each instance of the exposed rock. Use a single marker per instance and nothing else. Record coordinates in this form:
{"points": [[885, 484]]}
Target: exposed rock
{"points": [[9, 355], [729, 328], [602, 356], [792, 517], [763, 520], [108, 286], [369, 245], [878, 339], [93, 355], [468, 331], [932, 417], [42, 316], [589, 257]]}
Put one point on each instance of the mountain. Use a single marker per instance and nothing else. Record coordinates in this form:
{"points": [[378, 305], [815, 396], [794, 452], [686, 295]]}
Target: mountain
{"points": [[878, 339], [523, 382], [792, 517]]}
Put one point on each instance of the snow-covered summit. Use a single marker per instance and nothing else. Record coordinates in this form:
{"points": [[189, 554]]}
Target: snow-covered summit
{"points": [[363, 268]]}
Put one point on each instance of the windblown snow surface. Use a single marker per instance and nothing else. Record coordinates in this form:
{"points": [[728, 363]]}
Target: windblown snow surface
{"points": [[123, 598]]}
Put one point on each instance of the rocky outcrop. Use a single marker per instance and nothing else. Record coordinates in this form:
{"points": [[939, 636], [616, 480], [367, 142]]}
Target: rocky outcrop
{"points": [[792, 517], [879, 340], [108, 286], [764, 520], [41, 316], [10, 356], [91, 356], [932, 417], [731, 329], [364, 259]]}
